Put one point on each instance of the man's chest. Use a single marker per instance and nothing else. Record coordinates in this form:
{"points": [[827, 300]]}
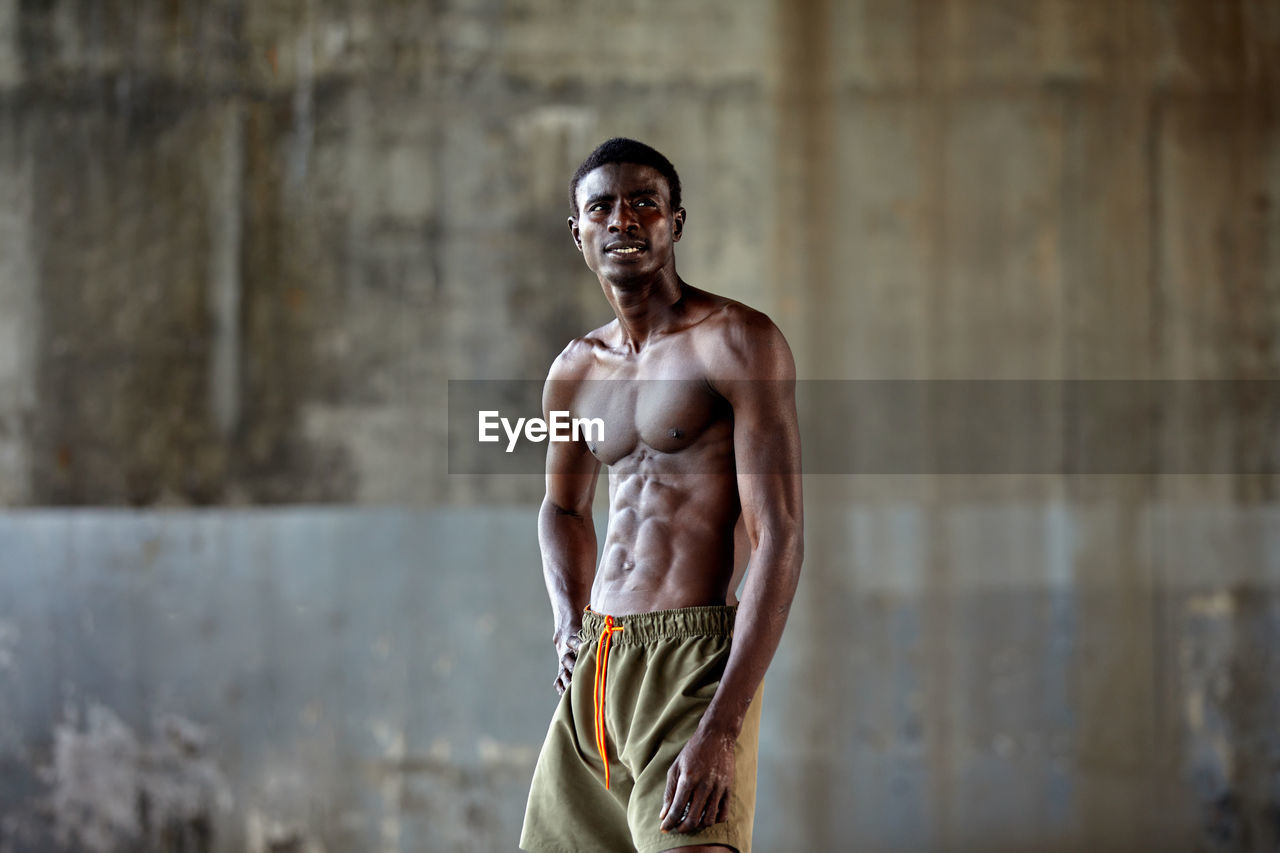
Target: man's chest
{"points": [[667, 414]]}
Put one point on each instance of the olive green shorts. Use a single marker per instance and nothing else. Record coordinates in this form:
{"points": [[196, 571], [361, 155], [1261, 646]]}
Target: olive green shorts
{"points": [[659, 673]]}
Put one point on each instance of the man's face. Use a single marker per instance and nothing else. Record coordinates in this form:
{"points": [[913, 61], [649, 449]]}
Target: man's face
{"points": [[625, 227]]}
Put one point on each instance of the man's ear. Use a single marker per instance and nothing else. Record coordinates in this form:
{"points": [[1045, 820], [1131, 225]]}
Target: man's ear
{"points": [[679, 227], [573, 229]]}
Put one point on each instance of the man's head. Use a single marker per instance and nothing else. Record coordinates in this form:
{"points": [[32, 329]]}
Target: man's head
{"points": [[623, 150]]}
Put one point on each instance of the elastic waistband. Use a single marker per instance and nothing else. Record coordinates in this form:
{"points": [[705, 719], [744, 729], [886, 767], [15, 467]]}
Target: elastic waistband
{"points": [[678, 624]]}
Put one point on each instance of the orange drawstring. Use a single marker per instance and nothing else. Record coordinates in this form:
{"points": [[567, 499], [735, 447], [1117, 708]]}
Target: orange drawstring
{"points": [[602, 664]]}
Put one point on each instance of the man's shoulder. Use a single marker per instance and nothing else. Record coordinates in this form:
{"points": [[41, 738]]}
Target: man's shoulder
{"points": [[580, 354], [727, 316], [732, 331]]}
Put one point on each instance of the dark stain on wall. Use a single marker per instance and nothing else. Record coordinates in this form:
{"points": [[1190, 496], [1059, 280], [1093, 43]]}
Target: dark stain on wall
{"points": [[128, 194], [1245, 816], [283, 309], [124, 334]]}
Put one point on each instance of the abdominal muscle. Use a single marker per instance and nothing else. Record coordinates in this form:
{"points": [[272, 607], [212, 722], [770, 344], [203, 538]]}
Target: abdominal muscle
{"points": [[670, 543]]}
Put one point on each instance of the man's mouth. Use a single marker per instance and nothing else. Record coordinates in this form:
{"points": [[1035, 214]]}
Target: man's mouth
{"points": [[624, 250]]}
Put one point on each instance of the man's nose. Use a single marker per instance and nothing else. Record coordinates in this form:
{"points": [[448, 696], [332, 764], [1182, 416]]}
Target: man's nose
{"points": [[623, 219]]}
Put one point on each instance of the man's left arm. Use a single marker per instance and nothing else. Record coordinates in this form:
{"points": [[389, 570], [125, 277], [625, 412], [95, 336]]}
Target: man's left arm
{"points": [[756, 374]]}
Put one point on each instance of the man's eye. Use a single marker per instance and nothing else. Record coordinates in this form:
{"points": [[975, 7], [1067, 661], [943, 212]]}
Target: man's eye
{"points": [[645, 202], [596, 207]]}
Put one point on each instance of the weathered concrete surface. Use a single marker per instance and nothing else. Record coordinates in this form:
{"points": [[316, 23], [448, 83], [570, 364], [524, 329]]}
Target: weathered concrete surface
{"points": [[256, 237], [246, 243], [351, 680], [347, 679]]}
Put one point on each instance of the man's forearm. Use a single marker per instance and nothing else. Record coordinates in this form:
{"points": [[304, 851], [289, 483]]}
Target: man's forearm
{"points": [[762, 615], [568, 544]]}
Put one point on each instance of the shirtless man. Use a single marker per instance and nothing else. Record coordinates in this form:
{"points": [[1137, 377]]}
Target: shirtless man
{"points": [[657, 749]]}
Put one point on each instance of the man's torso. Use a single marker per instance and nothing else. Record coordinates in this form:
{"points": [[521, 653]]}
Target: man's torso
{"points": [[668, 442]]}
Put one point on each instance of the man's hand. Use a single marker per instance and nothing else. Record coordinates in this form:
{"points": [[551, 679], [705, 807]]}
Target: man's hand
{"points": [[698, 783], [567, 643]]}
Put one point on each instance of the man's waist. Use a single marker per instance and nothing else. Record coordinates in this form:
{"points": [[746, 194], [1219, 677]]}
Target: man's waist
{"points": [[655, 625]]}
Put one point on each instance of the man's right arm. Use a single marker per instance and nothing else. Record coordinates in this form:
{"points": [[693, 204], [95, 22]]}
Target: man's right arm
{"points": [[566, 533]]}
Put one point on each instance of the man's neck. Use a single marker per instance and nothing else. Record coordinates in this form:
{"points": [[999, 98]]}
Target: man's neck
{"points": [[645, 309]]}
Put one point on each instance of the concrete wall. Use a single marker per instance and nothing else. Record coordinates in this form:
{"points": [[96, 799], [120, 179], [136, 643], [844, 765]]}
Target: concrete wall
{"points": [[250, 242], [244, 245], [357, 679]]}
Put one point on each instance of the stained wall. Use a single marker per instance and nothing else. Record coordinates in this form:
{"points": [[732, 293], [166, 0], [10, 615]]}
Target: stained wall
{"points": [[244, 246]]}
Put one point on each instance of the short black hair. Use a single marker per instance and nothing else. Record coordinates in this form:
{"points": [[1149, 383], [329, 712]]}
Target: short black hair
{"points": [[623, 150]]}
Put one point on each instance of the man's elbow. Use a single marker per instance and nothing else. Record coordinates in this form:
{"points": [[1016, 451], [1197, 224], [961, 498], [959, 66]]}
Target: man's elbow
{"points": [[551, 510], [792, 546], [785, 541], [790, 552]]}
